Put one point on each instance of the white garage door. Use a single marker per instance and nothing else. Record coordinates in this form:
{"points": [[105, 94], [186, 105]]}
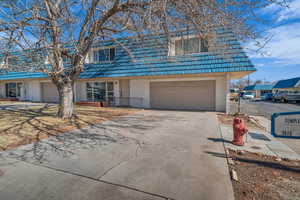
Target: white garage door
{"points": [[49, 93], [183, 95]]}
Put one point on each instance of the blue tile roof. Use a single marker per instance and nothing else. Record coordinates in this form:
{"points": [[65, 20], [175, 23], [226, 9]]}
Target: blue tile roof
{"points": [[288, 83], [259, 87], [150, 58]]}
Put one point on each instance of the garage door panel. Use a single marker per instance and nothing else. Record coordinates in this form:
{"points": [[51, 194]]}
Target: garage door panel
{"points": [[49, 93], [187, 95]]}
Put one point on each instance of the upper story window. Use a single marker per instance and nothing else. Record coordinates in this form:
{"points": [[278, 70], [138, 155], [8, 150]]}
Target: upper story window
{"points": [[103, 55], [49, 59], [66, 60], [185, 46]]}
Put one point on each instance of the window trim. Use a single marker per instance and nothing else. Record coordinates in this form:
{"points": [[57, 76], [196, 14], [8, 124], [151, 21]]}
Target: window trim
{"points": [[91, 54], [49, 59], [172, 46], [106, 89], [18, 89]]}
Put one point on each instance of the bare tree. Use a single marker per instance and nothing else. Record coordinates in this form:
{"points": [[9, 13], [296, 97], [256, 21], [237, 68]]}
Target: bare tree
{"points": [[258, 82], [64, 30], [241, 83]]}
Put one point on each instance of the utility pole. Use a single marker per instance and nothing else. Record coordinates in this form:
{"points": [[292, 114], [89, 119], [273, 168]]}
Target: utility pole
{"points": [[248, 79]]}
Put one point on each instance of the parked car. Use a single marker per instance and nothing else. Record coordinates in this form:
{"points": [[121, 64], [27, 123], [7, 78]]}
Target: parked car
{"points": [[242, 94], [248, 95], [267, 97], [287, 96]]}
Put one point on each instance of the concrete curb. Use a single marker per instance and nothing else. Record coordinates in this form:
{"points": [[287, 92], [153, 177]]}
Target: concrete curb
{"points": [[259, 142]]}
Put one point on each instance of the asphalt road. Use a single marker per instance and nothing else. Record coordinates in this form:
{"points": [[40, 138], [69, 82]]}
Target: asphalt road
{"points": [[264, 108]]}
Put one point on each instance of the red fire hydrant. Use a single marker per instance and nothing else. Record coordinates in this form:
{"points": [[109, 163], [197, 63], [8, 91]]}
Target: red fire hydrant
{"points": [[239, 130]]}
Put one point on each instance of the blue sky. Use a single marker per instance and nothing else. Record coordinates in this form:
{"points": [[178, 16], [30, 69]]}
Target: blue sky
{"points": [[281, 57]]}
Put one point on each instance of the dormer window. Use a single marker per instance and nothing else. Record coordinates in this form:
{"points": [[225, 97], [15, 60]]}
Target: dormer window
{"points": [[49, 59], [35, 58], [66, 60], [103, 55], [186, 45]]}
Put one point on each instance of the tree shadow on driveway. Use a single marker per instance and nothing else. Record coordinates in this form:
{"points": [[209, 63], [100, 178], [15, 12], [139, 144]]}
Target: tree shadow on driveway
{"points": [[94, 135]]}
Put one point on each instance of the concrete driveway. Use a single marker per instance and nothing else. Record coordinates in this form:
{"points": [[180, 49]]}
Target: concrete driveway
{"points": [[148, 155]]}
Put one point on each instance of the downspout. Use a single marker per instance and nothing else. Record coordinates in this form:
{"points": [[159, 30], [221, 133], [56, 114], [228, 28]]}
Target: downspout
{"points": [[228, 78]]}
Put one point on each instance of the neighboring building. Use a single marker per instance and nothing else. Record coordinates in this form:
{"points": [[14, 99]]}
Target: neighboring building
{"points": [[181, 75], [259, 89], [288, 85]]}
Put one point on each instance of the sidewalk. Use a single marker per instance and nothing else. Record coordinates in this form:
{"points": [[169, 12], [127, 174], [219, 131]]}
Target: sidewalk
{"points": [[258, 141], [293, 143]]}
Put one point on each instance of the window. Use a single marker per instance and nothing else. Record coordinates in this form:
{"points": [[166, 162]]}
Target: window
{"points": [[66, 60], [103, 55], [100, 91], [190, 45], [12, 60], [34, 57], [13, 89]]}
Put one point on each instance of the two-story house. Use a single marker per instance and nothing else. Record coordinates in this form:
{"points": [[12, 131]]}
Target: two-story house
{"points": [[182, 74]]}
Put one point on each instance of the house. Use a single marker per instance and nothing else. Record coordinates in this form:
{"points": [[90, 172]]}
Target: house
{"points": [[287, 85], [183, 74], [259, 89]]}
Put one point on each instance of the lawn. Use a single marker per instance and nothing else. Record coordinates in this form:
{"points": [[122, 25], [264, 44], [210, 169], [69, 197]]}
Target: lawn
{"points": [[26, 125]]}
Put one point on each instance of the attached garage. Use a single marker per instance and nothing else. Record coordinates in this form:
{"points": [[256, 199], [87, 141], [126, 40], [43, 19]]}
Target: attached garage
{"points": [[49, 93], [183, 95]]}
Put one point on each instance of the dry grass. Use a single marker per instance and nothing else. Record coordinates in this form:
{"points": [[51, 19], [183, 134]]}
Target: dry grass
{"points": [[9, 102], [262, 177], [24, 126]]}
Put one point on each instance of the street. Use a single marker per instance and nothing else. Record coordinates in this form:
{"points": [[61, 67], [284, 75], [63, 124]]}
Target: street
{"points": [[264, 108]]}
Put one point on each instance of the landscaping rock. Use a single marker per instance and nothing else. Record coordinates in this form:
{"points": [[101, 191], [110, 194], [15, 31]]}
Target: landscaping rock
{"points": [[230, 161], [227, 153], [234, 175], [241, 152]]}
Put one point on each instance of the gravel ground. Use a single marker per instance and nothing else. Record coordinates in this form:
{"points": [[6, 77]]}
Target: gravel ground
{"points": [[262, 177]]}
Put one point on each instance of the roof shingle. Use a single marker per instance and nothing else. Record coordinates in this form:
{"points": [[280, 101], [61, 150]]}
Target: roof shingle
{"points": [[150, 58], [288, 83], [259, 87]]}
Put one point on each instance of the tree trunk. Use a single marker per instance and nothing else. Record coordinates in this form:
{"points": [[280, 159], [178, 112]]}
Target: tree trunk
{"points": [[66, 105]]}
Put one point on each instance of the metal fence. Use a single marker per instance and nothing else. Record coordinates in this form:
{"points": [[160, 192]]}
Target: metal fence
{"points": [[127, 101], [117, 102]]}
